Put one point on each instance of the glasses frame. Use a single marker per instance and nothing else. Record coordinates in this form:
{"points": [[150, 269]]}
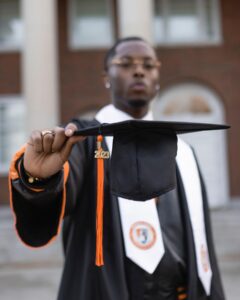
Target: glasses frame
{"points": [[135, 62]]}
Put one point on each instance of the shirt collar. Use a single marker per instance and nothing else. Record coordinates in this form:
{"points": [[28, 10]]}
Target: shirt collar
{"points": [[111, 114]]}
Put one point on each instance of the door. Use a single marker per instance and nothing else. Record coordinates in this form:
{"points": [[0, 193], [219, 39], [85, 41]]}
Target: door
{"points": [[192, 102]]}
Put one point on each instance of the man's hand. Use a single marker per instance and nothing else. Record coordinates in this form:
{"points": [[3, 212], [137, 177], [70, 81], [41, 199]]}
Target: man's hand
{"points": [[48, 150]]}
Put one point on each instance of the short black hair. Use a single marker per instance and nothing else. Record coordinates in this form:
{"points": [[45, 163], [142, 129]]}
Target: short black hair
{"points": [[112, 51]]}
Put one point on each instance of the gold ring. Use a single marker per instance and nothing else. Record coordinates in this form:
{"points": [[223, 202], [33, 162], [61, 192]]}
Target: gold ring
{"points": [[45, 132]]}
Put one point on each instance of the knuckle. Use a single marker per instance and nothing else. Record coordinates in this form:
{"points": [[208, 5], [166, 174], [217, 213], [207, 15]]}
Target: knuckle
{"points": [[34, 134], [48, 137], [37, 140]]}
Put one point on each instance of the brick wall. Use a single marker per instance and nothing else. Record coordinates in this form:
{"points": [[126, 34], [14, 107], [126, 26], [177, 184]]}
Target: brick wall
{"points": [[81, 87], [216, 66], [10, 83]]}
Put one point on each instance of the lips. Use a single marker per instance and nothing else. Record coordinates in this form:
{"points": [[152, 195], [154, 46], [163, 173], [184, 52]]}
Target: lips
{"points": [[138, 86]]}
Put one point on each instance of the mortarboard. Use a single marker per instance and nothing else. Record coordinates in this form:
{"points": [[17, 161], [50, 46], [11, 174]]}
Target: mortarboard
{"points": [[142, 164], [141, 148]]}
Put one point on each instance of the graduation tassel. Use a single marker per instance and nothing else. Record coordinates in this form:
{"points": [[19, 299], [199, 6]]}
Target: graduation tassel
{"points": [[100, 155]]}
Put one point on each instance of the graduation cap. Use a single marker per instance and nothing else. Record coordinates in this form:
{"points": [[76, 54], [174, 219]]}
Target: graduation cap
{"points": [[142, 164]]}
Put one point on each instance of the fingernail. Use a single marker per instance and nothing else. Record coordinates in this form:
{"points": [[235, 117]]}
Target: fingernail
{"points": [[69, 132]]}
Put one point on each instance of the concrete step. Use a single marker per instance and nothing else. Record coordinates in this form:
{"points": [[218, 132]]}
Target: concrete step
{"points": [[25, 272]]}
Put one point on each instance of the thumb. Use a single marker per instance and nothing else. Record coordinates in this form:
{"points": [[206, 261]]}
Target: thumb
{"points": [[69, 144], [69, 129], [71, 140]]}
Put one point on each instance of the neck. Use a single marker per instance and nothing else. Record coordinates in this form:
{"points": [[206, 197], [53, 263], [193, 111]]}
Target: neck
{"points": [[135, 112]]}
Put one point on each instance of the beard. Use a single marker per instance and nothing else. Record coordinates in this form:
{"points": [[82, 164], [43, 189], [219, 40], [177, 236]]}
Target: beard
{"points": [[137, 103]]}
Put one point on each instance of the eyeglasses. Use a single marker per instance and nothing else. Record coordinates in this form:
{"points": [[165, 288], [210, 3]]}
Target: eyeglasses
{"points": [[129, 63]]}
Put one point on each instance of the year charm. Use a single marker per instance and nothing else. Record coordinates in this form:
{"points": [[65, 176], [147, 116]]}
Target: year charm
{"points": [[100, 153]]}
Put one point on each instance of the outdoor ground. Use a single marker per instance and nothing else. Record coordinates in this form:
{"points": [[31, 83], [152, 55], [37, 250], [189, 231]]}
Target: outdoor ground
{"points": [[34, 274]]}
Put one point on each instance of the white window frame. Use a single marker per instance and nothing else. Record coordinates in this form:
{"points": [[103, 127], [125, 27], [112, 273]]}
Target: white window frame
{"points": [[200, 40], [13, 48], [9, 100], [72, 46]]}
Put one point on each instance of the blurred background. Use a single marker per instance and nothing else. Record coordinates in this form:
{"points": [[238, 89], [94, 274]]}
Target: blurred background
{"points": [[51, 62]]}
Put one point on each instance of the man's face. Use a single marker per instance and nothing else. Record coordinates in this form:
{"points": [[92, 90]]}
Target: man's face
{"points": [[133, 74]]}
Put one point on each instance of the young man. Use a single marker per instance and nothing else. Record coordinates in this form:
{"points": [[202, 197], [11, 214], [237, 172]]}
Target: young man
{"points": [[170, 256]]}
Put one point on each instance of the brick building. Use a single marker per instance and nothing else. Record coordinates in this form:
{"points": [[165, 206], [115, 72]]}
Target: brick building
{"points": [[51, 55]]}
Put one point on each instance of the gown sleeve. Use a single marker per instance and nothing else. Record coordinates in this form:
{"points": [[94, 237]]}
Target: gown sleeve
{"points": [[39, 209]]}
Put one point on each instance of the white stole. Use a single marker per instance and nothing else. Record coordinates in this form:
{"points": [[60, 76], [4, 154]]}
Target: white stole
{"points": [[139, 219], [189, 173]]}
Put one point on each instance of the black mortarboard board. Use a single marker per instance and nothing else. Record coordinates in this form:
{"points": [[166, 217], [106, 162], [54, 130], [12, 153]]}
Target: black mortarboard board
{"points": [[143, 155], [142, 161]]}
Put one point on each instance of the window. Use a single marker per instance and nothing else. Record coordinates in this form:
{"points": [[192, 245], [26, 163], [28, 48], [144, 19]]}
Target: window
{"points": [[12, 129], [11, 25], [188, 101], [90, 24], [187, 22]]}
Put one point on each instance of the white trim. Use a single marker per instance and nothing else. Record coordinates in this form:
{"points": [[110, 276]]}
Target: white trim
{"points": [[136, 19], [40, 76]]}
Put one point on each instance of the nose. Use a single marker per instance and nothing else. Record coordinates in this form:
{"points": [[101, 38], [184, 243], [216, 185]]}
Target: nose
{"points": [[138, 71]]}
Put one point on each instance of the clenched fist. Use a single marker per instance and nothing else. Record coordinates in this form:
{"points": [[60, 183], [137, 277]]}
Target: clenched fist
{"points": [[48, 150]]}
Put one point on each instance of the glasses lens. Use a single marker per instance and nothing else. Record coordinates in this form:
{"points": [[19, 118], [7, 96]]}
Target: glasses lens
{"points": [[127, 63], [149, 64]]}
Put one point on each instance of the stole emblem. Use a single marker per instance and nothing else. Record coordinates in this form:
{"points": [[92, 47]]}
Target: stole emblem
{"points": [[142, 235]]}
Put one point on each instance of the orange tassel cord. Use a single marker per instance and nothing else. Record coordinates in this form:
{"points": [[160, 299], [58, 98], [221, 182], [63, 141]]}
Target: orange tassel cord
{"points": [[100, 155]]}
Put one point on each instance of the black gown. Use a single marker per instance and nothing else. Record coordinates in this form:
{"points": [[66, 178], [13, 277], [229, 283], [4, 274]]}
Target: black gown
{"points": [[37, 222]]}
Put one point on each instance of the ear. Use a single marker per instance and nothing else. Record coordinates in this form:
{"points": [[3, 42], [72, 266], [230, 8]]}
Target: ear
{"points": [[106, 80]]}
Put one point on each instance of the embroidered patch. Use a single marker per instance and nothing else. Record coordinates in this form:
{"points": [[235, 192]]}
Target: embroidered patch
{"points": [[204, 258], [142, 235]]}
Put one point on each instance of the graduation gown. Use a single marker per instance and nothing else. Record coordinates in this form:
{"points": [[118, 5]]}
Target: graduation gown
{"points": [[71, 194]]}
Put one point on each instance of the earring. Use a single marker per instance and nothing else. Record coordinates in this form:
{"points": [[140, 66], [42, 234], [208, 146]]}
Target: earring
{"points": [[107, 85], [157, 87]]}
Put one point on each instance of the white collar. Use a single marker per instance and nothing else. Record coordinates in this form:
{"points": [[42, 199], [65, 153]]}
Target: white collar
{"points": [[111, 114]]}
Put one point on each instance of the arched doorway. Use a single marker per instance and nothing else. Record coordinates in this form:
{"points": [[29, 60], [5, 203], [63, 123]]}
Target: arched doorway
{"points": [[193, 102]]}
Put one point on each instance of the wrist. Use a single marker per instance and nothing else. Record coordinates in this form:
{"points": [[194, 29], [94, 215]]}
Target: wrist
{"points": [[30, 178], [31, 181]]}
